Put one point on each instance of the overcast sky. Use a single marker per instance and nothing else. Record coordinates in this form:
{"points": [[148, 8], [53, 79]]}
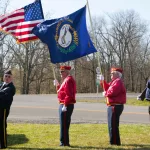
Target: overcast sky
{"points": [[59, 8]]}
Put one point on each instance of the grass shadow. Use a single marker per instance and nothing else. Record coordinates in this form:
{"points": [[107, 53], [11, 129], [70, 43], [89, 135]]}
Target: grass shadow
{"points": [[140, 146], [134, 147], [26, 148], [14, 139]]}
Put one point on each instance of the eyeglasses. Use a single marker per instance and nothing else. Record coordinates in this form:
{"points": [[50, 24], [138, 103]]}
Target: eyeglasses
{"points": [[7, 76]]}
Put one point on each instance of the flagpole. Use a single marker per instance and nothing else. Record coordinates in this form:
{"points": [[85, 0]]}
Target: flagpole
{"points": [[54, 75], [94, 38]]}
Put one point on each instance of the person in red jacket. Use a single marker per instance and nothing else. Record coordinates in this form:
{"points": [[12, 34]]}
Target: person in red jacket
{"points": [[66, 95], [115, 94]]}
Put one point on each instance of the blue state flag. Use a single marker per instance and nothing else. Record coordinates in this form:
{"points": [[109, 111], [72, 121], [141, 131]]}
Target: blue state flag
{"points": [[67, 37]]}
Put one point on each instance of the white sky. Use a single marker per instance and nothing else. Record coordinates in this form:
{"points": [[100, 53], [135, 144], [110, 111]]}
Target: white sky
{"points": [[60, 8]]}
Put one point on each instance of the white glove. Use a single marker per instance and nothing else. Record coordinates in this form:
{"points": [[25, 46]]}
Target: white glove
{"points": [[103, 93], [64, 108], [101, 77], [55, 82], [138, 97]]}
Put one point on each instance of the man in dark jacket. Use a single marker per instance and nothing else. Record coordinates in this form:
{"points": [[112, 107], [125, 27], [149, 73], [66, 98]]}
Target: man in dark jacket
{"points": [[145, 93], [7, 91]]}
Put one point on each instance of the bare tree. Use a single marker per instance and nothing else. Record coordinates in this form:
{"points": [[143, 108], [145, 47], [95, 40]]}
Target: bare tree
{"points": [[4, 51], [120, 42], [31, 59]]}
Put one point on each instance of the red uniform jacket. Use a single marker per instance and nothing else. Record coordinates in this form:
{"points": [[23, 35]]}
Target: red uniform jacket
{"points": [[115, 92], [67, 91]]}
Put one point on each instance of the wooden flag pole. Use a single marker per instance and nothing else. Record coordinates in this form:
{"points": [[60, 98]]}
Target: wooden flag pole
{"points": [[54, 75]]}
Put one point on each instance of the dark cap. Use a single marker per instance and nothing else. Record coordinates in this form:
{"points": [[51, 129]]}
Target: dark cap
{"points": [[8, 72]]}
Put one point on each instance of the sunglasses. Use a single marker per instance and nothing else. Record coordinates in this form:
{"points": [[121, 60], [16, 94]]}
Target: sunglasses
{"points": [[7, 76], [62, 71]]}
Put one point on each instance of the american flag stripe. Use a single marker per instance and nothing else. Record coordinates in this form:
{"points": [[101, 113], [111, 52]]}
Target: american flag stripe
{"points": [[25, 36], [22, 33], [11, 22], [16, 13], [5, 20], [22, 40], [23, 26], [20, 30], [21, 21]]}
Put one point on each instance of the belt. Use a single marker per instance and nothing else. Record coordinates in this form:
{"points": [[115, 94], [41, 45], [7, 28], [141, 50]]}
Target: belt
{"points": [[116, 105], [63, 103]]}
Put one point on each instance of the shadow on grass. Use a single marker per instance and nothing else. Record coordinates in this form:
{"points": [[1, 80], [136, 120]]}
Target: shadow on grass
{"points": [[23, 139], [128, 146], [14, 139], [139, 146]]}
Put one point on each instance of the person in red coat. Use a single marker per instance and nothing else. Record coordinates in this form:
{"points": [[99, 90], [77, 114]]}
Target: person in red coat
{"points": [[115, 94], [66, 95]]}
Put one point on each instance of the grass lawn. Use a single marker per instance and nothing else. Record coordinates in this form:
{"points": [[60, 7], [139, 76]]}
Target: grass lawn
{"points": [[130, 101], [82, 136]]}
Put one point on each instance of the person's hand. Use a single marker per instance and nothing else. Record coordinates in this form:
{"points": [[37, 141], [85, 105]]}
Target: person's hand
{"points": [[139, 98], [101, 77], [64, 108], [103, 93], [55, 82]]}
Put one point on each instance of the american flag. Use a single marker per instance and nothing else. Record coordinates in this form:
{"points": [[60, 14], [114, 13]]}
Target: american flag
{"points": [[20, 22]]}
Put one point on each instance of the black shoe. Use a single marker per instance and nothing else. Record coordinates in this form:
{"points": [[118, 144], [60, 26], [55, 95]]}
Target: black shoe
{"points": [[3, 147], [67, 145], [61, 144], [115, 144]]}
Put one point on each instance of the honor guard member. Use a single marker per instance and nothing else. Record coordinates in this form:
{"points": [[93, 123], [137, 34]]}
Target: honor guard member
{"points": [[115, 94], [7, 91], [66, 96]]}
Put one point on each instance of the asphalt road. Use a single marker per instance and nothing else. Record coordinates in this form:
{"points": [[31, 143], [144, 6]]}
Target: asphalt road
{"points": [[44, 109]]}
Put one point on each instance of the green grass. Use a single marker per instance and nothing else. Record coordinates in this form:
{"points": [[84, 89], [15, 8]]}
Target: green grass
{"points": [[130, 101], [82, 136], [137, 102]]}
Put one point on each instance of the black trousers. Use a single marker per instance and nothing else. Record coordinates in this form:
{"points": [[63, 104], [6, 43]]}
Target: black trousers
{"points": [[3, 127], [113, 114], [65, 120]]}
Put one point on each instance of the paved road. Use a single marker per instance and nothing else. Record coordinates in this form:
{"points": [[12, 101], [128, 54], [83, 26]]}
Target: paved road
{"points": [[44, 109]]}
